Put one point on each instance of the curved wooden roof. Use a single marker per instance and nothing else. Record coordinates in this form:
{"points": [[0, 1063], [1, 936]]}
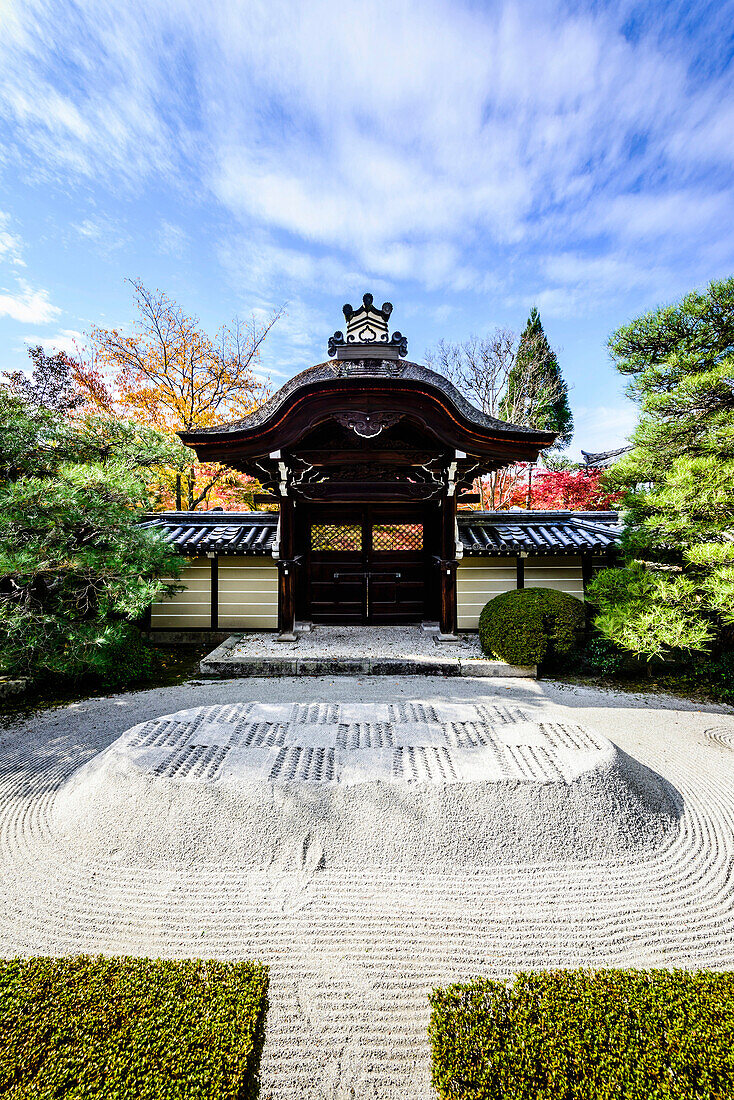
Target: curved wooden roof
{"points": [[409, 390]]}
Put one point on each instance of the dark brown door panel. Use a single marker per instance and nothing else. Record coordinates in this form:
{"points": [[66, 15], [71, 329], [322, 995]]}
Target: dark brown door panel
{"points": [[366, 564]]}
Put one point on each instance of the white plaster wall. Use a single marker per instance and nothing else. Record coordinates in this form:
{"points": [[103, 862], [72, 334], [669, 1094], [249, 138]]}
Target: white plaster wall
{"points": [[478, 580], [190, 609], [562, 573], [248, 593]]}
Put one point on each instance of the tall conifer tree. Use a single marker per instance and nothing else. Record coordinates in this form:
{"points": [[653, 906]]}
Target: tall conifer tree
{"points": [[549, 408], [676, 591]]}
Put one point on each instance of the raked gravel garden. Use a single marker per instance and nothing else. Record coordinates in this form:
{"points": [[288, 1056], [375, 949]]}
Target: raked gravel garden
{"points": [[570, 827]]}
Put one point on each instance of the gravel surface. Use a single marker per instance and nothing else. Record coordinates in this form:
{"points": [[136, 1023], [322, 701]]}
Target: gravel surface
{"points": [[406, 642], [354, 946]]}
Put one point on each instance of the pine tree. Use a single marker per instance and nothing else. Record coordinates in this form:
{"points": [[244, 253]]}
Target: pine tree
{"points": [[547, 398], [676, 591], [76, 568]]}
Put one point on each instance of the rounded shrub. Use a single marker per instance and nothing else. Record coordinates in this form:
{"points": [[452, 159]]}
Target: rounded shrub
{"points": [[530, 625]]}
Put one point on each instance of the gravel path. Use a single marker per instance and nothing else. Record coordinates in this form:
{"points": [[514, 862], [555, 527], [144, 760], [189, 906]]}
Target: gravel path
{"points": [[353, 952], [400, 642]]}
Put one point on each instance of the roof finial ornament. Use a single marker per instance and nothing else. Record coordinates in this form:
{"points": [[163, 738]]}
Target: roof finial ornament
{"points": [[367, 335]]}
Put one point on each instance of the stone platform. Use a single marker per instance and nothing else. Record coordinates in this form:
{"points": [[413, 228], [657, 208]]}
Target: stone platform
{"points": [[356, 651]]}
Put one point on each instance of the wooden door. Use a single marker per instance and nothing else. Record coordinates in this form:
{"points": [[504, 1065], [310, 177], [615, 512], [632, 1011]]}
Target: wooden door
{"points": [[335, 566], [397, 565], [365, 564]]}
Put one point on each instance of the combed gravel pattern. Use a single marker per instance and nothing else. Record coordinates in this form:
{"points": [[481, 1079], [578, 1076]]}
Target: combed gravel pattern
{"points": [[354, 951], [404, 786]]}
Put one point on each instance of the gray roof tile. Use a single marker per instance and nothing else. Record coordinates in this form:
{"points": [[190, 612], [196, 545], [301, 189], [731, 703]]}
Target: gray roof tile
{"points": [[482, 534]]}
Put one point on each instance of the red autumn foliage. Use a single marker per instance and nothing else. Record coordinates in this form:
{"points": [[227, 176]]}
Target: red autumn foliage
{"points": [[575, 490]]}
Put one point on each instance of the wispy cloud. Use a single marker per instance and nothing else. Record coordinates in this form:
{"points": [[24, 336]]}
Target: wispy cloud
{"points": [[172, 240], [257, 264], [103, 232], [603, 427], [10, 243], [67, 339], [457, 138], [29, 306]]}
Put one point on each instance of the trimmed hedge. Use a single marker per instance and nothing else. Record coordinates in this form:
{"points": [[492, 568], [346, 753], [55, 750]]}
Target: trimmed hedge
{"points": [[528, 625], [575, 1035], [138, 1029]]}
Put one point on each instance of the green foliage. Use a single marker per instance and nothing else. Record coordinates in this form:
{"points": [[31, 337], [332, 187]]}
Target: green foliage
{"points": [[129, 1029], [572, 1035], [551, 412], [649, 611], [530, 625], [603, 656], [76, 569], [30, 438], [715, 674], [677, 593]]}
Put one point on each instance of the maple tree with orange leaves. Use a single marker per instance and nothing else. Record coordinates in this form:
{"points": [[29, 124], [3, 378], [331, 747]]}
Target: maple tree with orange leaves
{"points": [[169, 374]]}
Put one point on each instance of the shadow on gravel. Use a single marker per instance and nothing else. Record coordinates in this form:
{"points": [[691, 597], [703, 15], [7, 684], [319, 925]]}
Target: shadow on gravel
{"points": [[251, 1090]]}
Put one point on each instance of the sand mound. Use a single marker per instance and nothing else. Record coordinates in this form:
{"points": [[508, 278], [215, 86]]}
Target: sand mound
{"points": [[405, 785]]}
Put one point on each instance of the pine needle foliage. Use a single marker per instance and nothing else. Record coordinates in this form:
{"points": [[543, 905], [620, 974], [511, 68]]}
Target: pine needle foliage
{"points": [[676, 592], [76, 568], [551, 411], [129, 1029]]}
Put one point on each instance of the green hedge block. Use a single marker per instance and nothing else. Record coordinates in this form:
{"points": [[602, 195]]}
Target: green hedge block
{"points": [[525, 626], [575, 1035], [84, 1028]]}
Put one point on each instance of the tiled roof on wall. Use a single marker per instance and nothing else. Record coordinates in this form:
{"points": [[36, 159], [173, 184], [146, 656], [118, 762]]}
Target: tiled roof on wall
{"points": [[500, 533], [216, 532], [482, 534]]}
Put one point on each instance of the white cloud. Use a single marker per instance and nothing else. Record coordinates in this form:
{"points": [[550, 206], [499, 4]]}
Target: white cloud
{"points": [[172, 240], [29, 306], [103, 232], [575, 284], [674, 214], [257, 264], [10, 243], [603, 427], [68, 340], [453, 139]]}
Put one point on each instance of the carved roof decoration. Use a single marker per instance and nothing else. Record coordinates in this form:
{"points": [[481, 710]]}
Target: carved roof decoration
{"points": [[367, 333]]}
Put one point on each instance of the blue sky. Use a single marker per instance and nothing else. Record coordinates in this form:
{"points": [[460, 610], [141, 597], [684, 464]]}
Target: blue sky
{"points": [[464, 160]]}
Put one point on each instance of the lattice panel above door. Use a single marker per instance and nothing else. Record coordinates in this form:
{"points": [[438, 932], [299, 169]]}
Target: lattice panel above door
{"points": [[397, 536], [327, 537]]}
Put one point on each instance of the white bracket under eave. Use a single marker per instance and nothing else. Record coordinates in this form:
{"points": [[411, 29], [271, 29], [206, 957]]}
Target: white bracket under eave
{"points": [[283, 484], [451, 481], [459, 551]]}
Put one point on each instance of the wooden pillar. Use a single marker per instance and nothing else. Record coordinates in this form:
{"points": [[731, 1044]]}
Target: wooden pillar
{"points": [[520, 572], [287, 571], [214, 589], [448, 565], [587, 570]]}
